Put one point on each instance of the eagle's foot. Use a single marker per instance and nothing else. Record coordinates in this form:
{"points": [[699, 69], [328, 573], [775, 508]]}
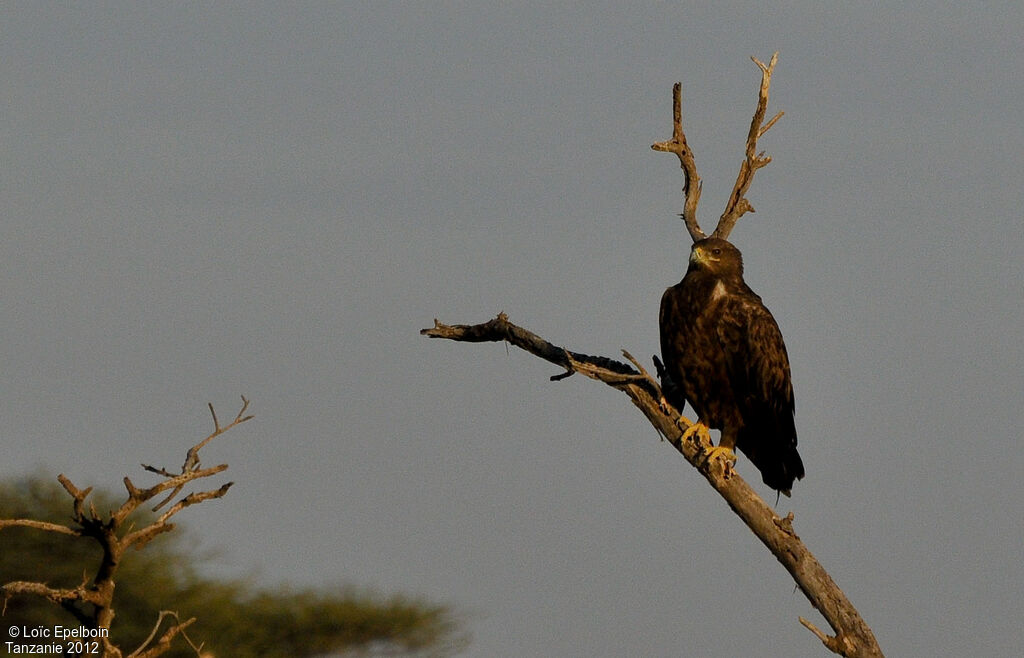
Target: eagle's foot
{"points": [[722, 452], [698, 433]]}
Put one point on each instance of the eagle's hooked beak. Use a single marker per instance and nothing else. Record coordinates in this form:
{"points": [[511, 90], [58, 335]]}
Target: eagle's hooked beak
{"points": [[695, 255]]}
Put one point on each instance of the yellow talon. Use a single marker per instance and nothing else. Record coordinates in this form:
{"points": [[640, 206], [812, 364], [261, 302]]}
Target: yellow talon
{"points": [[699, 429], [720, 451]]}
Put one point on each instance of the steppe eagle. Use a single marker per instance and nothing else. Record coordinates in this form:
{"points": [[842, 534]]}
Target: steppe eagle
{"points": [[725, 356]]}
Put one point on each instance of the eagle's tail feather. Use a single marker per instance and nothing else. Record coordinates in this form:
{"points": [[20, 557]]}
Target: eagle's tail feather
{"points": [[774, 455]]}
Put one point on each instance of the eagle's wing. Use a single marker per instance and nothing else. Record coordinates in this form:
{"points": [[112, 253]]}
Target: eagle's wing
{"points": [[672, 349], [760, 378], [767, 363]]}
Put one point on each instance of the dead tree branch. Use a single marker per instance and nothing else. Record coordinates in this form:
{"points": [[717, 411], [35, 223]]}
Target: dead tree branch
{"points": [[39, 525], [738, 204], [92, 602], [691, 181], [164, 643], [853, 638]]}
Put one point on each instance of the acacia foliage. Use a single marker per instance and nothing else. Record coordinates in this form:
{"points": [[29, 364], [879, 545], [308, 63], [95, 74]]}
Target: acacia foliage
{"points": [[234, 618]]}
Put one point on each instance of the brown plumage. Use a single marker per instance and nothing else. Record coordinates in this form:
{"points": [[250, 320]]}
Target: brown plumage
{"points": [[725, 356]]}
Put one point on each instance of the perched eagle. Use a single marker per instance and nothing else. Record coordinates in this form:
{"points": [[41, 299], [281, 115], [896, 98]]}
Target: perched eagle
{"points": [[724, 354]]}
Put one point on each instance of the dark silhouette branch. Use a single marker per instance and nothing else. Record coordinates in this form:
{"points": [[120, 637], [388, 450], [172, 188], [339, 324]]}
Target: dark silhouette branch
{"points": [[853, 638]]}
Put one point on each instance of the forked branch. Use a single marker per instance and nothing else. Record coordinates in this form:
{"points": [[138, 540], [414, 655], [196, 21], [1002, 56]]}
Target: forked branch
{"points": [[853, 637], [738, 204], [164, 643]]}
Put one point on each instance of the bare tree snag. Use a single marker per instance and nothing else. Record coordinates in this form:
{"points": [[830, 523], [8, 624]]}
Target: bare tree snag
{"points": [[852, 636], [738, 204], [91, 602], [691, 181]]}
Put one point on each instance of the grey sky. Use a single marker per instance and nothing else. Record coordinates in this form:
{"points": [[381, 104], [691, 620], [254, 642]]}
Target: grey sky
{"points": [[206, 201]]}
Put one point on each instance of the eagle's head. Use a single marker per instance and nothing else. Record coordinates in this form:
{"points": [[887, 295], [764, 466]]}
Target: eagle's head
{"points": [[717, 256]]}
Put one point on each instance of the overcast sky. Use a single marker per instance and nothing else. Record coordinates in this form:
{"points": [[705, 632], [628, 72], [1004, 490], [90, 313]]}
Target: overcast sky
{"points": [[206, 201]]}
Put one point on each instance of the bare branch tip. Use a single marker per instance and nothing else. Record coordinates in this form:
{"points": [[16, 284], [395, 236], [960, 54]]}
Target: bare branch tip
{"points": [[814, 629], [241, 418], [632, 359], [563, 375], [216, 424], [433, 332], [771, 63]]}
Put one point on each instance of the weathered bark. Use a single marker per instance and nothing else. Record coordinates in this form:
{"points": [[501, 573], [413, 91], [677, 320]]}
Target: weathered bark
{"points": [[853, 638]]}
